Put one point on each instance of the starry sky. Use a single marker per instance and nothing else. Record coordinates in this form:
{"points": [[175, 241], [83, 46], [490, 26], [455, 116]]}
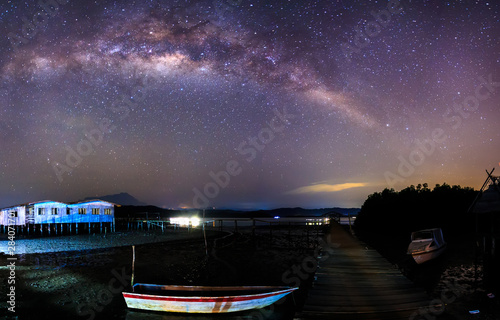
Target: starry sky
{"points": [[245, 104]]}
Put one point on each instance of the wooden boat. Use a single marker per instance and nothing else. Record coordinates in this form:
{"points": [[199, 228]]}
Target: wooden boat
{"points": [[202, 299], [426, 245]]}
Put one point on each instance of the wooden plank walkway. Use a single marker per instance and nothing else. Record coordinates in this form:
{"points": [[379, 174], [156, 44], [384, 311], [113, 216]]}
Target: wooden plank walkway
{"points": [[354, 282]]}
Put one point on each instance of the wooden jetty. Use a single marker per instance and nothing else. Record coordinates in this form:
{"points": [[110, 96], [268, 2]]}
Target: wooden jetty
{"points": [[355, 282]]}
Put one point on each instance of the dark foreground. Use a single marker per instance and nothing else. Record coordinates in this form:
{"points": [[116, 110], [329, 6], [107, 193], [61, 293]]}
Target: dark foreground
{"points": [[454, 279], [87, 284]]}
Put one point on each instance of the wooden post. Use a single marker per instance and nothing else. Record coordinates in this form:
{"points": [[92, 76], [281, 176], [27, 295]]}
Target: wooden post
{"points": [[350, 225], [204, 233], [133, 268]]}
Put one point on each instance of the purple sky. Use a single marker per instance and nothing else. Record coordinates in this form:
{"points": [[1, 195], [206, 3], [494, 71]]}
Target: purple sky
{"points": [[245, 104]]}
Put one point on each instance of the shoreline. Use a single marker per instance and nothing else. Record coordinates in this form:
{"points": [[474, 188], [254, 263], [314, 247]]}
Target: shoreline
{"points": [[101, 241]]}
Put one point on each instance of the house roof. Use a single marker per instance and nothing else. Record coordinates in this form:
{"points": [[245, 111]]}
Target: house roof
{"points": [[93, 200], [489, 200], [71, 203], [29, 203]]}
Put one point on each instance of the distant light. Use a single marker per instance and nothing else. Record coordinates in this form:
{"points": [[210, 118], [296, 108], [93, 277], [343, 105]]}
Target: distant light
{"points": [[276, 217], [185, 221], [195, 221]]}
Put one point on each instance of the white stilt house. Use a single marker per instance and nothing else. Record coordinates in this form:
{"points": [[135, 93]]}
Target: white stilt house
{"points": [[13, 216], [45, 212], [53, 216]]}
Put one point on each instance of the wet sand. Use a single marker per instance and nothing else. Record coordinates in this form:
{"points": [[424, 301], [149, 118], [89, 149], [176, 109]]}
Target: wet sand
{"points": [[96, 241]]}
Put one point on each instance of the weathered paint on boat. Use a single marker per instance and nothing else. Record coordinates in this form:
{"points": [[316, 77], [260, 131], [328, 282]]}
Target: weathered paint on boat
{"points": [[421, 257], [205, 300], [426, 245]]}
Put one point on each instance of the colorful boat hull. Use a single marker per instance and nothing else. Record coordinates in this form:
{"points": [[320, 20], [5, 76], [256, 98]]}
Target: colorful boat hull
{"points": [[191, 299], [424, 256]]}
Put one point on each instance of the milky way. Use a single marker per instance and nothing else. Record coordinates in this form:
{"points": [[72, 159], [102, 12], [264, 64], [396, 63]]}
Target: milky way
{"points": [[245, 104]]}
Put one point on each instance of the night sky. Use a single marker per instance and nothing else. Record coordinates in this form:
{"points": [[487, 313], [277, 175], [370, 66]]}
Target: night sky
{"points": [[245, 104]]}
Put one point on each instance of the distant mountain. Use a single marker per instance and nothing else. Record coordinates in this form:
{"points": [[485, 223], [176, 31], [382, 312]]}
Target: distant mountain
{"points": [[154, 212], [297, 212], [123, 199]]}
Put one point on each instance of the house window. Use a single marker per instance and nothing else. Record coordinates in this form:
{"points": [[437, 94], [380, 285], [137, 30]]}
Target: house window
{"points": [[68, 211], [107, 212], [82, 210], [41, 211], [95, 210], [54, 211]]}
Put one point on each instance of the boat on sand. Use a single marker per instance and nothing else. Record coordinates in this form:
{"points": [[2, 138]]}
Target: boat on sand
{"points": [[426, 245], [203, 299]]}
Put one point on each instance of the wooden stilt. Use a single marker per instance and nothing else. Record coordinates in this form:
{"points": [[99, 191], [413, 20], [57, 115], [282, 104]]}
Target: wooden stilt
{"points": [[133, 268]]}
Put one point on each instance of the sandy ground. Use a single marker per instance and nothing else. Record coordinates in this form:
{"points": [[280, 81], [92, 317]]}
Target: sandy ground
{"points": [[87, 284]]}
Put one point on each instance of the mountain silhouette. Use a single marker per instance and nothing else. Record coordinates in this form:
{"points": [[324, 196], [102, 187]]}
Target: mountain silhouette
{"points": [[123, 199]]}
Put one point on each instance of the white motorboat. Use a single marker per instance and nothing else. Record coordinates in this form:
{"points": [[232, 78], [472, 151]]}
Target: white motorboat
{"points": [[426, 245]]}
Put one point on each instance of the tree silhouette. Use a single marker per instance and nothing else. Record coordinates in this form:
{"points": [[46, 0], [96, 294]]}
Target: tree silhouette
{"points": [[416, 208]]}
